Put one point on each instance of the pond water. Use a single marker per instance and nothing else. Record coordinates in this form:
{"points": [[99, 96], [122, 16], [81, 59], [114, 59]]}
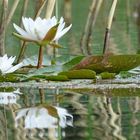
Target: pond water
{"points": [[83, 115]]}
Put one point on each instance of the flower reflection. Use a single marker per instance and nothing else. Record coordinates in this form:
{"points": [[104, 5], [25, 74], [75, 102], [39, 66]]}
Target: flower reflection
{"points": [[45, 117], [9, 97]]}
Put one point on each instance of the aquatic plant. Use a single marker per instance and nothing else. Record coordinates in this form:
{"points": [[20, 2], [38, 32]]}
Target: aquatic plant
{"points": [[109, 23], [43, 32], [39, 30], [6, 64]]}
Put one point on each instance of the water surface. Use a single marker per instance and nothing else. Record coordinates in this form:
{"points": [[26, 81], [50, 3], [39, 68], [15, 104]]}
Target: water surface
{"points": [[96, 116]]}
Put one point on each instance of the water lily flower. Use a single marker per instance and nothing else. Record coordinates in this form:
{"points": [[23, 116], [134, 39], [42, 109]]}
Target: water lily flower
{"points": [[9, 97], [40, 117], [41, 30], [6, 64]]}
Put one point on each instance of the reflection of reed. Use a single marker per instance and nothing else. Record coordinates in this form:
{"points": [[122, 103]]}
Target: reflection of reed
{"points": [[114, 123], [7, 123], [134, 104], [19, 133], [80, 113], [97, 116], [108, 121], [3, 126], [102, 120]]}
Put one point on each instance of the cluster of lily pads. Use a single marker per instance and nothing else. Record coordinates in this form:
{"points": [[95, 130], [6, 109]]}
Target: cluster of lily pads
{"points": [[47, 32], [63, 71]]}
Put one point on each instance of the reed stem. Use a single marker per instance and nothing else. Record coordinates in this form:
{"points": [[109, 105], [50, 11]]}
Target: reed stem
{"points": [[50, 8], [3, 24], [22, 51], [91, 20], [40, 57], [12, 11], [109, 23]]}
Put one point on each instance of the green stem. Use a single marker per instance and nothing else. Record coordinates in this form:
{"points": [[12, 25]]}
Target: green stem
{"points": [[22, 51], [40, 57]]}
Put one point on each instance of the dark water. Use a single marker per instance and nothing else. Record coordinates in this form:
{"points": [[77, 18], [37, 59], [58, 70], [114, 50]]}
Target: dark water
{"points": [[95, 117]]}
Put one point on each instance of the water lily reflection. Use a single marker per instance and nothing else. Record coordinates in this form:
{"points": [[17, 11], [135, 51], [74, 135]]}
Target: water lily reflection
{"points": [[45, 117], [9, 97], [6, 64]]}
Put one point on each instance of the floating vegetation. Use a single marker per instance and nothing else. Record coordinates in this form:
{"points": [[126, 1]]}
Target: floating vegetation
{"points": [[79, 74], [107, 75]]}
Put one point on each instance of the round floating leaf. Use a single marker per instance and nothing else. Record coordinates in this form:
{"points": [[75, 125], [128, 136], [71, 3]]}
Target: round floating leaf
{"points": [[57, 78], [79, 74], [9, 78], [107, 75], [112, 63]]}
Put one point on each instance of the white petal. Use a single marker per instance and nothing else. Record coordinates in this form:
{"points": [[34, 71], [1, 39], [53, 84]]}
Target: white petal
{"points": [[60, 27], [63, 114], [30, 121], [25, 24], [6, 63], [14, 68], [61, 20], [22, 32], [29, 26], [21, 113], [60, 34]]}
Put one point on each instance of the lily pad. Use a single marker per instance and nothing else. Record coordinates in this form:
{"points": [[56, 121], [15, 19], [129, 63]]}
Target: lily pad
{"points": [[110, 63], [9, 78], [107, 75], [57, 78], [79, 74]]}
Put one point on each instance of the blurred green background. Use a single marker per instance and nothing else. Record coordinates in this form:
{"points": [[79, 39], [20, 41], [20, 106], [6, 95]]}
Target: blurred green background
{"points": [[124, 32]]}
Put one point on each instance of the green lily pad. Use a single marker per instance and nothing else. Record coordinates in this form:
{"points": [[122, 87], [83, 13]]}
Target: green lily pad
{"points": [[57, 78], [9, 78], [107, 75], [79, 74], [110, 63]]}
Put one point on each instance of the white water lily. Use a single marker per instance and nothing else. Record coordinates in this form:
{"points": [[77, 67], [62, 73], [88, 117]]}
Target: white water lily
{"points": [[9, 97], [36, 117], [36, 30], [6, 64]]}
